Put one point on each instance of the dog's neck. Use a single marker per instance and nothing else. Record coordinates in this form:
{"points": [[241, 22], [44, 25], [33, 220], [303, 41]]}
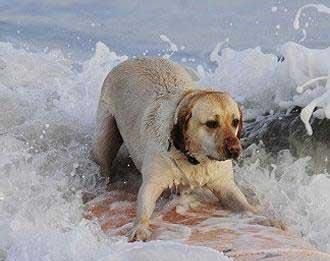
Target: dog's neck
{"points": [[191, 159]]}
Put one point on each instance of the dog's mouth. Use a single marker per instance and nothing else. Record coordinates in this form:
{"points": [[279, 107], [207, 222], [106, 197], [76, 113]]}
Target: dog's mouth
{"points": [[224, 158]]}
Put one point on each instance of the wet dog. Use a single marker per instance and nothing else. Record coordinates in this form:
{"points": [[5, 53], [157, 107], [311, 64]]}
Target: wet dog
{"points": [[176, 132]]}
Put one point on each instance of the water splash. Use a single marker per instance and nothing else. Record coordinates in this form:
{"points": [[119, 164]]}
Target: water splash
{"points": [[173, 47], [319, 7], [287, 190]]}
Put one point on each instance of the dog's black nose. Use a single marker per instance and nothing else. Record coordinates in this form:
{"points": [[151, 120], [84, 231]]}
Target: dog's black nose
{"points": [[232, 148], [232, 154]]}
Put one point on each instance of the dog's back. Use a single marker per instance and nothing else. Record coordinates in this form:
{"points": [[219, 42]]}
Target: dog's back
{"points": [[130, 88]]}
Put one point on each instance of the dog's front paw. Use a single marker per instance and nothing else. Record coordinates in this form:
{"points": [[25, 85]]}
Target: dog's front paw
{"points": [[277, 223], [139, 232]]}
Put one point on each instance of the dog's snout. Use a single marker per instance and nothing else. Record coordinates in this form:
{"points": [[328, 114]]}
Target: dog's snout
{"points": [[232, 147]]}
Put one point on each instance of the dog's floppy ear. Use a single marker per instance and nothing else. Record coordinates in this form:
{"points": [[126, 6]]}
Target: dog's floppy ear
{"points": [[240, 126], [179, 129]]}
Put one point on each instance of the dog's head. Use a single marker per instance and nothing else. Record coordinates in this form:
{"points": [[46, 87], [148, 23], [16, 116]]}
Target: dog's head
{"points": [[208, 124]]}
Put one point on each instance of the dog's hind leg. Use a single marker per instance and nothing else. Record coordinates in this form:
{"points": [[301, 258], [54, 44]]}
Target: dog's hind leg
{"points": [[107, 140]]}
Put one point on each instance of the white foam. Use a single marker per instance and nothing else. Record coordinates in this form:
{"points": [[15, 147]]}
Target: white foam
{"points": [[287, 191], [174, 251]]}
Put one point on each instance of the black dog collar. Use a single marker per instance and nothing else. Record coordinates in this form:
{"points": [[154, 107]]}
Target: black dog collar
{"points": [[191, 159]]}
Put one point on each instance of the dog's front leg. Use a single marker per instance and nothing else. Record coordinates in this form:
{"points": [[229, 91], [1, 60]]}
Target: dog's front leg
{"points": [[230, 196], [155, 181]]}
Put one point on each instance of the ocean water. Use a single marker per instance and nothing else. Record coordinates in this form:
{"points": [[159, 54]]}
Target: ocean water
{"points": [[49, 87], [133, 27]]}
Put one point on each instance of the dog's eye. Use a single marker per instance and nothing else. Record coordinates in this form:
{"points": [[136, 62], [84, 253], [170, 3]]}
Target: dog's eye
{"points": [[212, 124], [235, 123]]}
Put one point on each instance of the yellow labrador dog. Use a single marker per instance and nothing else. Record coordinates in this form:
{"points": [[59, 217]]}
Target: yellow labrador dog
{"points": [[176, 133]]}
